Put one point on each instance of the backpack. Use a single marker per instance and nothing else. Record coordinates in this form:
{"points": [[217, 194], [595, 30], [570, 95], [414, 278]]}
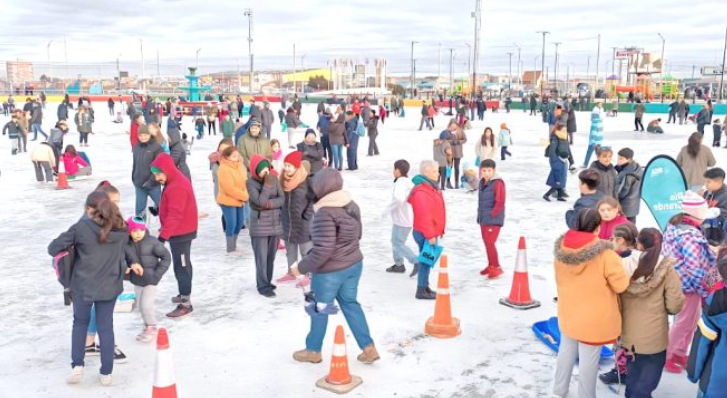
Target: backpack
{"points": [[63, 266], [360, 129]]}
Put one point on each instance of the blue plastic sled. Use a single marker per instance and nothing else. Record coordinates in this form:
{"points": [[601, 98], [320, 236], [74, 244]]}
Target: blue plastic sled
{"points": [[549, 333]]}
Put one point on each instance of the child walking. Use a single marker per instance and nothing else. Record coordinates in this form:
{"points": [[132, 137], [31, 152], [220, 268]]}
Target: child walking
{"points": [[154, 260], [504, 140], [717, 129], [12, 129], [402, 218], [491, 214]]}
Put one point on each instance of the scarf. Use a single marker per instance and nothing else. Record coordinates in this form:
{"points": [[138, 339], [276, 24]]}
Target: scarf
{"points": [[420, 179], [292, 182], [277, 154]]}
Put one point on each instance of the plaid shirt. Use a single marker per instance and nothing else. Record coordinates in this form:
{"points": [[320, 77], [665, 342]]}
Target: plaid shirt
{"points": [[694, 259]]}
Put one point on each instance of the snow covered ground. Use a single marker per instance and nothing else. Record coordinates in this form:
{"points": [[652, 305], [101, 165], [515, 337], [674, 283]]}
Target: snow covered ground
{"points": [[238, 343]]}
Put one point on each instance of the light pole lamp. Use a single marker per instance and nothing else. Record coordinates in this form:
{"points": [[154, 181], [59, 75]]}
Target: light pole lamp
{"points": [[248, 14], [542, 63], [519, 72], [411, 76], [50, 68], [469, 57], [197, 57], [661, 71], [721, 79]]}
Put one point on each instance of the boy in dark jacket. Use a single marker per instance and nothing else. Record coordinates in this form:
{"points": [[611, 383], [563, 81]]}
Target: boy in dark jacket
{"points": [[154, 261], [589, 180], [708, 358], [717, 129], [146, 150], [12, 129], [716, 196], [628, 184], [491, 214]]}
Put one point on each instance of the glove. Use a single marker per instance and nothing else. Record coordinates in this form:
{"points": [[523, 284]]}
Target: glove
{"points": [[162, 240], [154, 211]]}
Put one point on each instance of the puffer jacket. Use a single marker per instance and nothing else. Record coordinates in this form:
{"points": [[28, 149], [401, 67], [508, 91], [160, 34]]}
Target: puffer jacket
{"points": [[179, 154], [144, 154], [589, 276], [336, 229], [628, 188], [266, 202], [645, 308], [694, 259], [694, 168], [313, 154], [457, 140], [427, 202], [298, 213], [152, 256], [606, 179], [440, 151], [231, 184], [337, 132]]}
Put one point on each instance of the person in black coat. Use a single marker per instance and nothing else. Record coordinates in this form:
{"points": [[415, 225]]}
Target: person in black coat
{"points": [[571, 123], [62, 111], [297, 211], [97, 243], [178, 152], [590, 196], [144, 153], [312, 151]]}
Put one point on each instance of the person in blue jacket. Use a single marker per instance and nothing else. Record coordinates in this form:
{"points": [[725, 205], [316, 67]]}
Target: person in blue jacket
{"points": [[352, 134], [708, 359]]}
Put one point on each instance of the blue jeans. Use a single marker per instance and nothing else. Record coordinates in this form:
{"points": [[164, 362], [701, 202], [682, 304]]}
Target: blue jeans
{"points": [[234, 219], [589, 153], [343, 287], [81, 318], [246, 215], [423, 275], [337, 150], [38, 128], [399, 236], [143, 195]]}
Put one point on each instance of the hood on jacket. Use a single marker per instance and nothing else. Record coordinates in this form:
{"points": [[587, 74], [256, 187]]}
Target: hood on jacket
{"points": [[598, 165], [645, 285], [420, 179], [254, 163], [575, 249], [326, 181], [165, 163]]}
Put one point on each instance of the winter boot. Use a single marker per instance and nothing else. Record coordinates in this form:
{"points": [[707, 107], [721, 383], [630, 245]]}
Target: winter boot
{"points": [[76, 376], [369, 355], [561, 198], [414, 270], [181, 310], [307, 356], [423, 293], [398, 269], [230, 244], [612, 377], [495, 272]]}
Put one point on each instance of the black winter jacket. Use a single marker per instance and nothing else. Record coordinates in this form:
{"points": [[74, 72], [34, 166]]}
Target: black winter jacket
{"points": [[144, 154], [297, 214], [628, 188], [266, 202], [152, 256]]}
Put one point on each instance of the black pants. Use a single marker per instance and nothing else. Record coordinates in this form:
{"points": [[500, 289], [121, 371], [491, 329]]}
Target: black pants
{"points": [[455, 171], [672, 118], [373, 148], [553, 191], [503, 152], [700, 128], [717, 139], [644, 374], [326, 143], [265, 248], [181, 258], [638, 124], [211, 125], [84, 138], [442, 177]]}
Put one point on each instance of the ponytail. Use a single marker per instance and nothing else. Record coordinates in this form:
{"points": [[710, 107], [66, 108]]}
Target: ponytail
{"points": [[651, 239], [104, 213]]}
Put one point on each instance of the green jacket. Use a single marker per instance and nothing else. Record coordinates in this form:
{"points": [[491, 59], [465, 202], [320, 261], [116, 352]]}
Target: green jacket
{"points": [[249, 145], [228, 128]]}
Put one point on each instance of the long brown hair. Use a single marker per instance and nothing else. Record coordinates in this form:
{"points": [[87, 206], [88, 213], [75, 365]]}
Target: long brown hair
{"points": [[694, 145], [104, 213], [483, 140], [650, 239]]}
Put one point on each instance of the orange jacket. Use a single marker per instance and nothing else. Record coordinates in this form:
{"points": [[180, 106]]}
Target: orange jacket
{"points": [[589, 276], [232, 182]]}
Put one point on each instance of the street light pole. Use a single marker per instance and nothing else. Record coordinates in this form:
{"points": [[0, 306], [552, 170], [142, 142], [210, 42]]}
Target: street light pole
{"points": [[477, 15], [535, 68], [248, 14], [509, 74], [50, 68], [469, 56], [519, 72], [451, 71], [295, 73], [118, 73], [411, 76], [197, 55], [542, 65], [721, 79], [598, 61], [661, 71], [555, 74], [141, 48]]}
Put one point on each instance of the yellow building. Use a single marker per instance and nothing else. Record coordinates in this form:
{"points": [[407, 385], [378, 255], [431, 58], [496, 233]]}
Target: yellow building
{"points": [[304, 76]]}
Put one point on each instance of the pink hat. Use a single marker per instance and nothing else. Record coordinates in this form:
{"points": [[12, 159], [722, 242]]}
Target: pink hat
{"points": [[134, 223], [695, 206]]}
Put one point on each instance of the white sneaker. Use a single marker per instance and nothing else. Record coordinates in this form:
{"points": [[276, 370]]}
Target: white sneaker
{"points": [[147, 335], [76, 376], [106, 380]]}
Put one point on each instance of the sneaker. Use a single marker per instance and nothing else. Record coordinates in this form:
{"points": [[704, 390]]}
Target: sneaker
{"points": [[106, 380], [92, 350], [268, 294], [180, 311], [76, 375], [495, 272], [414, 271], [119, 356], [486, 271], [304, 282], [147, 335], [424, 293], [397, 269], [369, 355], [287, 278], [612, 377], [307, 356]]}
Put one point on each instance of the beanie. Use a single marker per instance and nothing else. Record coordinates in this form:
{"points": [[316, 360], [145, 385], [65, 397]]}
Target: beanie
{"points": [[309, 131], [134, 223], [264, 164], [294, 158], [156, 170], [695, 206], [627, 153], [503, 126]]}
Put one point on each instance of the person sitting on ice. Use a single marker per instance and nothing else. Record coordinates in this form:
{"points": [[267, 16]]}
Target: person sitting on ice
{"points": [[654, 127], [74, 163]]}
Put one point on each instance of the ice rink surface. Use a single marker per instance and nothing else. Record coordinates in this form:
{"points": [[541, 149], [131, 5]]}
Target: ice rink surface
{"points": [[238, 343]]}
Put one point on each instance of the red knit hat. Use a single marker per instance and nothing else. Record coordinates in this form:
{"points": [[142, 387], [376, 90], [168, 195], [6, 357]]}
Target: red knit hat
{"points": [[294, 158]]}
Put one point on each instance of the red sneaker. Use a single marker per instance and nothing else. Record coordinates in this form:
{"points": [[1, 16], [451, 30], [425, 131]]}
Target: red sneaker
{"points": [[486, 271], [672, 366], [495, 272]]}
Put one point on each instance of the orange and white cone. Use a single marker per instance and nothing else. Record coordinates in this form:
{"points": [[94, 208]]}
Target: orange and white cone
{"points": [[339, 379], [442, 324], [62, 177], [520, 291], [165, 385]]}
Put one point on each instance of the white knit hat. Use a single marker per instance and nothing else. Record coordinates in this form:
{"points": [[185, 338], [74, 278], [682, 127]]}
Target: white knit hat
{"points": [[695, 206]]}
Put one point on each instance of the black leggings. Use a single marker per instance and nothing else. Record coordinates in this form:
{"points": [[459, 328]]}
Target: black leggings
{"points": [[456, 172], [442, 177], [637, 124], [211, 126], [181, 252]]}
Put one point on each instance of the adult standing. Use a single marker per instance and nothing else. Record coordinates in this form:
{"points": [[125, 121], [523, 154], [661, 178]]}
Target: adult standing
{"points": [[297, 106], [430, 219], [144, 154], [571, 126], [267, 118], [457, 139], [176, 149], [673, 109], [638, 115], [232, 194], [297, 210], [111, 105], [312, 151], [338, 138], [292, 120], [253, 143], [589, 276], [266, 201], [254, 110], [366, 113], [694, 160], [595, 135], [373, 131], [703, 118], [533, 104], [178, 216], [425, 117], [336, 263], [97, 241], [324, 120], [62, 112], [36, 121]]}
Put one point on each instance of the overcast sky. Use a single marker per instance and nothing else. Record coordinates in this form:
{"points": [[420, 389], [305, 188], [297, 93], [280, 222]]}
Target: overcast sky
{"points": [[97, 32]]}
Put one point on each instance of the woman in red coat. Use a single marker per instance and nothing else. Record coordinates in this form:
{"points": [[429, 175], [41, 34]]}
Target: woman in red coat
{"points": [[429, 219], [178, 216]]}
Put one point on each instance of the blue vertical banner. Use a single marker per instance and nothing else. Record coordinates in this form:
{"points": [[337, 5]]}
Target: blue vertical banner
{"points": [[662, 188]]}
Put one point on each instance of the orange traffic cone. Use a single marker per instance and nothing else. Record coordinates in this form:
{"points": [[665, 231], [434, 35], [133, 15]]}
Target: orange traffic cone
{"points": [[62, 177], [339, 379], [520, 292], [442, 324], [165, 385]]}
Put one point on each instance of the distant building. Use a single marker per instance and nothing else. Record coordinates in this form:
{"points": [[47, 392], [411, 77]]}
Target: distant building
{"points": [[532, 78], [20, 71]]}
